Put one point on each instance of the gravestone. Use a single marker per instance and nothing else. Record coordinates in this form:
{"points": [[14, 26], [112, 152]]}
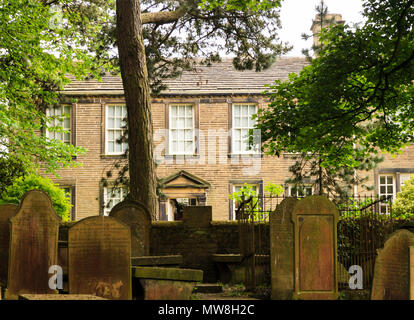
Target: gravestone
{"points": [[138, 218], [6, 212], [100, 258], [33, 245], [282, 251], [315, 221], [411, 272], [391, 272]]}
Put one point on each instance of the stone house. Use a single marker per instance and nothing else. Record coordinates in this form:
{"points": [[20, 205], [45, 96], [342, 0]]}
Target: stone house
{"points": [[199, 122]]}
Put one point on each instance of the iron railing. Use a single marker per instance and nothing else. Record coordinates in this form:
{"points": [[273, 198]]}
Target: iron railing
{"points": [[362, 230]]}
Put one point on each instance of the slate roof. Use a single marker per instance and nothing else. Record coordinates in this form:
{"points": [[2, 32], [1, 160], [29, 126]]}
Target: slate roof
{"points": [[220, 78]]}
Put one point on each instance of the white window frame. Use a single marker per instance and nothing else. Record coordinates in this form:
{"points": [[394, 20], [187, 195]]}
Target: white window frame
{"points": [[170, 130], [386, 193], [305, 186], [106, 190], [241, 128], [255, 185], [56, 122], [124, 146]]}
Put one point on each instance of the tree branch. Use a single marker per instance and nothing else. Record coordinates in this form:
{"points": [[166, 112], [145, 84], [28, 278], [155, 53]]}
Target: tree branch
{"points": [[164, 17]]}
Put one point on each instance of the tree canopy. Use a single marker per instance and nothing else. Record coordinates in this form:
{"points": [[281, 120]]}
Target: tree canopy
{"points": [[356, 96], [188, 30], [179, 33], [37, 51]]}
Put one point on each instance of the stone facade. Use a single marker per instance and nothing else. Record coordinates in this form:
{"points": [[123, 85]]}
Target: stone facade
{"points": [[211, 174]]}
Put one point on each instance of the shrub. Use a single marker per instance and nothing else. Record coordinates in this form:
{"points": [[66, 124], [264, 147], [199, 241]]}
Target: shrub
{"points": [[254, 206], [15, 192], [403, 206]]}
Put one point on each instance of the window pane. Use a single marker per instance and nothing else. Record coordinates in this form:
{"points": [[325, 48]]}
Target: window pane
{"points": [[236, 110], [118, 123], [389, 179], [66, 123], [180, 123], [237, 134], [188, 135], [189, 111], [189, 147], [111, 123], [188, 122], [118, 112], [118, 147], [389, 189], [252, 110], [180, 135], [111, 146], [382, 180]]}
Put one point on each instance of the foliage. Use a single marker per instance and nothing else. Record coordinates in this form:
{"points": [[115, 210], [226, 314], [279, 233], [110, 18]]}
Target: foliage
{"points": [[333, 181], [38, 49], [274, 190], [9, 170], [353, 208], [246, 29], [254, 205], [403, 205], [355, 98], [15, 192]]}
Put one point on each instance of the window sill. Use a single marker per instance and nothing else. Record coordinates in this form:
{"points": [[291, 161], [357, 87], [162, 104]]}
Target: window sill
{"points": [[181, 156], [289, 155], [113, 156], [245, 155]]}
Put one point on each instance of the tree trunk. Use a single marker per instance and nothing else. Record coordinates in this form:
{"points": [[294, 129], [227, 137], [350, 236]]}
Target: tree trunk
{"points": [[137, 96]]}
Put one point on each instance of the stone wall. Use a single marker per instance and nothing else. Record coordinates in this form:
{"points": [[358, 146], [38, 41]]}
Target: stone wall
{"points": [[196, 242]]}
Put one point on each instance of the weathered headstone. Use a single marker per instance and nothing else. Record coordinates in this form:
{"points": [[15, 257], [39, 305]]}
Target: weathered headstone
{"points": [[6, 212], [315, 221], [282, 251], [391, 273], [138, 218], [100, 258], [33, 245]]}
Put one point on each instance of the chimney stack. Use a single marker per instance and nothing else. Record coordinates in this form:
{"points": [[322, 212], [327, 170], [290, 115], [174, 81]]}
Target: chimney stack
{"points": [[330, 19]]}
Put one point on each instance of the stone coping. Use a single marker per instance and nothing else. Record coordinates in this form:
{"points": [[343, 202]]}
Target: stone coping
{"points": [[157, 260], [160, 273], [237, 258], [59, 297], [226, 258]]}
